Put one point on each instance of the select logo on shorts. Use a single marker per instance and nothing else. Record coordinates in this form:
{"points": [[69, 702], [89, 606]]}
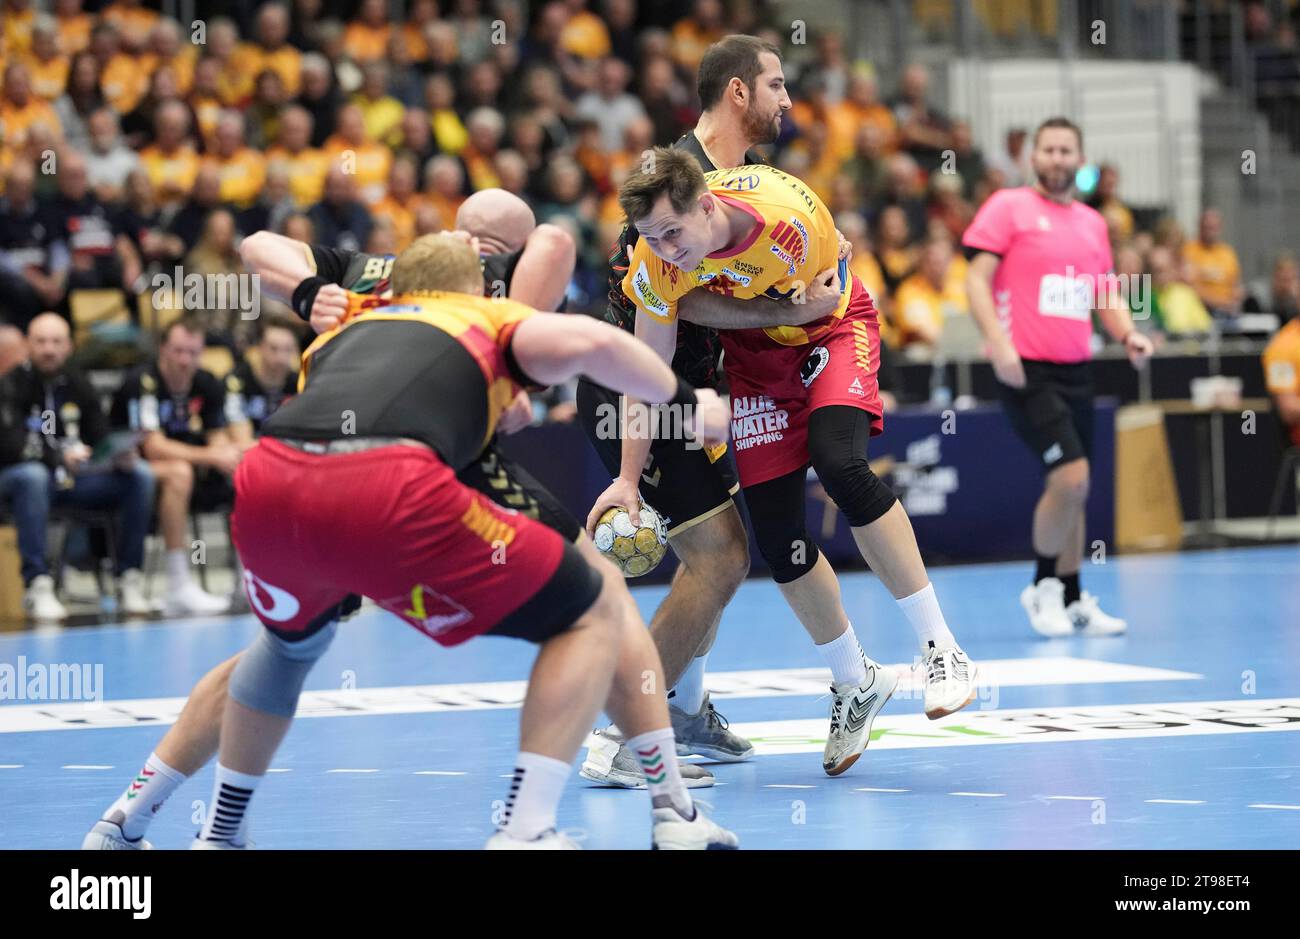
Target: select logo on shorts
{"points": [[1052, 454], [279, 606], [756, 421], [432, 612], [649, 299], [856, 387], [813, 365]]}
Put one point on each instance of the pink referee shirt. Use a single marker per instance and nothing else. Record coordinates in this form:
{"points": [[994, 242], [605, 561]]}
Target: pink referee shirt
{"points": [[1053, 258]]}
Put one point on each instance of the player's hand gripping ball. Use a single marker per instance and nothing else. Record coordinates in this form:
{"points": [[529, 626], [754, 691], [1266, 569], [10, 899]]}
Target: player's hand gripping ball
{"points": [[635, 550]]}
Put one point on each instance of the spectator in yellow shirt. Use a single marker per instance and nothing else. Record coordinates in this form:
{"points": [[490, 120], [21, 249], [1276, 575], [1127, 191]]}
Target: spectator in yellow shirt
{"points": [[1214, 271], [242, 169], [864, 265], [73, 25], [925, 300], [381, 112], [20, 110], [171, 161], [366, 37], [486, 127], [585, 34], [1282, 377], [121, 79], [421, 14], [400, 204], [46, 65], [448, 131], [133, 21], [271, 49], [1178, 310], [205, 98], [361, 157], [444, 186], [693, 35], [234, 83], [17, 21], [166, 48], [307, 165]]}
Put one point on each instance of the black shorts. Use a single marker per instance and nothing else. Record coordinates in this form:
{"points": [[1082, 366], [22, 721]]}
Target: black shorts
{"points": [[511, 486], [680, 482], [213, 491], [570, 592], [1053, 413]]}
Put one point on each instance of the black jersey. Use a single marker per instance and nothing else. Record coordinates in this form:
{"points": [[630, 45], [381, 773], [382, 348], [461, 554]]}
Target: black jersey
{"points": [[698, 347]]}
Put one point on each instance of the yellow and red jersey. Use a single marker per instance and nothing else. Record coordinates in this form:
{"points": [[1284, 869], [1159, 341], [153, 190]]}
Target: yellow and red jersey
{"points": [[1282, 366], [793, 239]]}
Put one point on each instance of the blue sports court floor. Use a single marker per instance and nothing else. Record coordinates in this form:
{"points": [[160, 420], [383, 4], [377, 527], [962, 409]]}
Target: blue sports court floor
{"points": [[1184, 734]]}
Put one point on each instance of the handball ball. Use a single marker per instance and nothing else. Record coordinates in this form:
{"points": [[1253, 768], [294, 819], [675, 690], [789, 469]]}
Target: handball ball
{"points": [[635, 550]]}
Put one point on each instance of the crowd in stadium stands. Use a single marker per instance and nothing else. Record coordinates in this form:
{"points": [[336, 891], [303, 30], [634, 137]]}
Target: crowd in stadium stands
{"points": [[131, 146]]}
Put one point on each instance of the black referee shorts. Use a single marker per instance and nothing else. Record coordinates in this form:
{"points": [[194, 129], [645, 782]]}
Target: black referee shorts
{"points": [[1053, 413]]}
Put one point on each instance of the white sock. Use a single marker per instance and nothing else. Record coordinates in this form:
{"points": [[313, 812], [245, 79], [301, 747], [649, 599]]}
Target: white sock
{"points": [[688, 694], [178, 567], [534, 795], [847, 661], [922, 611], [656, 751], [145, 796], [231, 793]]}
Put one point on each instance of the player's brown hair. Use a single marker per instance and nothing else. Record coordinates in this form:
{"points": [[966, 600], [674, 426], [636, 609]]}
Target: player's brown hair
{"points": [[192, 323], [278, 321], [732, 57], [437, 262], [1063, 123], [663, 170]]}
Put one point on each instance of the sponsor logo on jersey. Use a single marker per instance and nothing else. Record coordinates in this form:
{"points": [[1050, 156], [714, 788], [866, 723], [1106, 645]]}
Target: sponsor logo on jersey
{"points": [[741, 280], [813, 365], [756, 421], [270, 602], [856, 388], [434, 613], [645, 294], [742, 183], [746, 268]]}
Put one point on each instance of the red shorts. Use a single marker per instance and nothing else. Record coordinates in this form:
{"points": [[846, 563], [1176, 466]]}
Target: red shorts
{"points": [[392, 524], [774, 388]]}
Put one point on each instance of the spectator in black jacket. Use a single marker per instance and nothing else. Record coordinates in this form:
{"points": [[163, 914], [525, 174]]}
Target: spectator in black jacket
{"points": [[341, 220]]}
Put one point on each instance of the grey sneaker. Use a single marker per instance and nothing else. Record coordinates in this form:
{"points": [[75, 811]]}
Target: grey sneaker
{"points": [[610, 763], [705, 734]]}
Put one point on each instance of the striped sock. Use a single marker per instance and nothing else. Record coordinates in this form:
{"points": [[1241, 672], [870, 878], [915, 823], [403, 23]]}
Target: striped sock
{"points": [[656, 751], [145, 795], [534, 795], [230, 795]]}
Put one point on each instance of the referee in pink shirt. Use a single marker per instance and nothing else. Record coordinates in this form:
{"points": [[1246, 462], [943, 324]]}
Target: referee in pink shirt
{"points": [[1040, 264]]}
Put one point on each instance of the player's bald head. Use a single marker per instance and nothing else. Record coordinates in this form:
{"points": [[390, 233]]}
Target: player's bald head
{"points": [[443, 262], [499, 219]]}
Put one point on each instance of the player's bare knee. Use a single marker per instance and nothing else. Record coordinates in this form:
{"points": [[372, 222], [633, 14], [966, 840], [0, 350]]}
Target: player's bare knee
{"points": [[1070, 481]]}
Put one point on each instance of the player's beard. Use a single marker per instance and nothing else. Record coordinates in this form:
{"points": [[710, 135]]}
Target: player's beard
{"points": [[1055, 181], [759, 129]]}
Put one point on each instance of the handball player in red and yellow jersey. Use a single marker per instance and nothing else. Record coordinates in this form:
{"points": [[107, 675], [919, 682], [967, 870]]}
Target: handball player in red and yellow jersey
{"points": [[801, 395], [351, 492]]}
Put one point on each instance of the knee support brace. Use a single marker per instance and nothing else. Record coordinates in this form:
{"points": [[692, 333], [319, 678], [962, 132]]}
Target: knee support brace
{"points": [[837, 444], [270, 674], [776, 511]]}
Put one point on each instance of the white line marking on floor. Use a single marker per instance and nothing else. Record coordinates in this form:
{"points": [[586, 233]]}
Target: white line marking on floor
{"points": [[438, 772], [87, 766], [870, 789], [980, 795], [1078, 798], [352, 771], [277, 770], [1265, 805], [11, 766], [786, 786], [1176, 801]]}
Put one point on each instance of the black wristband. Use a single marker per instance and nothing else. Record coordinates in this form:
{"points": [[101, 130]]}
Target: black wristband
{"points": [[304, 295], [685, 393]]}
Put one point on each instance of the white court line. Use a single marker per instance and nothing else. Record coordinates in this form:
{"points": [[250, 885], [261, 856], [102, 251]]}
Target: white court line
{"points": [[1079, 798], [1176, 801], [979, 795], [1265, 805], [352, 771], [437, 772], [786, 786], [279, 770], [87, 766], [871, 789], [11, 766]]}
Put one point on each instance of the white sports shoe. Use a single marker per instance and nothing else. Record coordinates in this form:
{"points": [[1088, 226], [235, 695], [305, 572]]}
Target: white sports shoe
{"points": [[671, 832], [108, 836], [1045, 604], [549, 840], [1089, 620], [41, 602], [191, 600], [135, 600], [949, 682], [611, 763], [853, 708]]}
